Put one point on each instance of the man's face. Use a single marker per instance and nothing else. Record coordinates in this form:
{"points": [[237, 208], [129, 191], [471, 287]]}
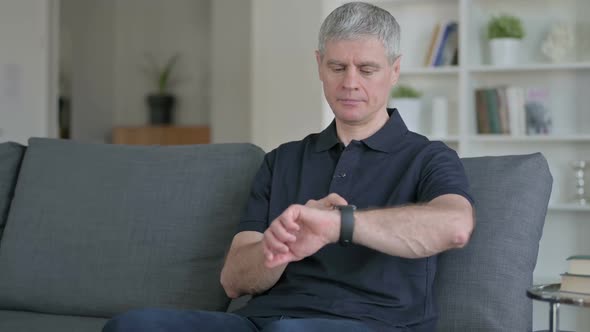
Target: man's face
{"points": [[357, 78]]}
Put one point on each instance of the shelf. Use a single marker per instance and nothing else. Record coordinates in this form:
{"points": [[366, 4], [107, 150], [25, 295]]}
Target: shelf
{"points": [[447, 70], [529, 67], [531, 139], [448, 139], [569, 207]]}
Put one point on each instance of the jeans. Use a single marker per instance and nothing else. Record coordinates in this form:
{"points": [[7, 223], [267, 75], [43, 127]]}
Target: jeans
{"points": [[152, 320]]}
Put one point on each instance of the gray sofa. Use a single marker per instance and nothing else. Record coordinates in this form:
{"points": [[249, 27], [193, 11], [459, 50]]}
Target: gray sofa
{"points": [[92, 230]]}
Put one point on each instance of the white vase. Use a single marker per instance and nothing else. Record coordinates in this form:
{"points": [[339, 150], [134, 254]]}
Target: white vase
{"points": [[410, 109], [504, 51], [440, 117]]}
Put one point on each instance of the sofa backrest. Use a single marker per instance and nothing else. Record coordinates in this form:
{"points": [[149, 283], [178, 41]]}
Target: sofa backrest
{"points": [[99, 229], [11, 155], [482, 287]]}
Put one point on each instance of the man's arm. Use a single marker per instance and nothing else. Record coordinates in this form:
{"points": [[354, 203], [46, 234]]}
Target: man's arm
{"points": [[244, 271], [411, 231], [416, 231]]}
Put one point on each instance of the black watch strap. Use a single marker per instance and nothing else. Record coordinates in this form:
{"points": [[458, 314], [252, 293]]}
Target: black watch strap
{"points": [[346, 224]]}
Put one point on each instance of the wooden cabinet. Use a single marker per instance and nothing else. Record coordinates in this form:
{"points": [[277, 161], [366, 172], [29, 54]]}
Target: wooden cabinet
{"points": [[162, 135]]}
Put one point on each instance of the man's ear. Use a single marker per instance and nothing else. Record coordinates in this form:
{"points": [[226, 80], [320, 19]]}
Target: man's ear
{"points": [[318, 59], [395, 70]]}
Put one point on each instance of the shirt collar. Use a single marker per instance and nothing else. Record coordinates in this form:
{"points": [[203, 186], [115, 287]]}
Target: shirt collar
{"points": [[327, 138], [383, 140]]}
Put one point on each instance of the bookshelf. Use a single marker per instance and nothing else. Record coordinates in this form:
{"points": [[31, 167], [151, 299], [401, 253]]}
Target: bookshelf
{"points": [[567, 225]]}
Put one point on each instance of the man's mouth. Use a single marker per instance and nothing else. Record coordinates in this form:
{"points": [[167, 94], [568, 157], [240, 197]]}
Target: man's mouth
{"points": [[350, 101]]}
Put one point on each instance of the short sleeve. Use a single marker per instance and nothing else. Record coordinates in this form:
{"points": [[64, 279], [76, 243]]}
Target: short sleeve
{"points": [[255, 217], [442, 173]]}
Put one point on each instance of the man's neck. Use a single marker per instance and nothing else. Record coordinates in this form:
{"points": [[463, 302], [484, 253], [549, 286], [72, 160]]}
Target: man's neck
{"points": [[359, 131]]}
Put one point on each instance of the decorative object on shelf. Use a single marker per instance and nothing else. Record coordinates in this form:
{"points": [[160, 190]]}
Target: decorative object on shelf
{"points": [[559, 43], [440, 116], [505, 33], [409, 105], [538, 114], [161, 103], [579, 167]]}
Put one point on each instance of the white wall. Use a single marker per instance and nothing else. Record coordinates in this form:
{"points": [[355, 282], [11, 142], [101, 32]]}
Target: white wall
{"points": [[87, 40], [27, 101], [286, 92], [231, 101]]}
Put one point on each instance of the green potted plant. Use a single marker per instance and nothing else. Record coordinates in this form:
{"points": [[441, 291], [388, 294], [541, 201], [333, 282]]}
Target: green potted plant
{"points": [[161, 101], [407, 100], [505, 33]]}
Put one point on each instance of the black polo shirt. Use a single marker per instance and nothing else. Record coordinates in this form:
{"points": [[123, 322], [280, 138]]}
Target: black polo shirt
{"points": [[392, 167]]}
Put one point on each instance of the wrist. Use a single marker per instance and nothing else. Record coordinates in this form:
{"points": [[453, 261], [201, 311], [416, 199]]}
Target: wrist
{"points": [[335, 234], [347, 218]]}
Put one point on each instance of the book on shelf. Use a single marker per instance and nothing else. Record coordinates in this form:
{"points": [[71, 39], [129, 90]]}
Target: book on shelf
{"points": [[444, 44], [577, 278], [433, 41], [483, 125], [515, 99], [500, 110]]}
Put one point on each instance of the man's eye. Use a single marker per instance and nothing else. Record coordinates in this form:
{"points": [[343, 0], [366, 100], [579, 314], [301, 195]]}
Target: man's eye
{"points": [[367, 71], [338, 69]]}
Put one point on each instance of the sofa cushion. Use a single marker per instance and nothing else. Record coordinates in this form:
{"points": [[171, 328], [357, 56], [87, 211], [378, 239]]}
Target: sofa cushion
{"points": [[11, 155], [99, 229], [19, 321], [482, 287]]}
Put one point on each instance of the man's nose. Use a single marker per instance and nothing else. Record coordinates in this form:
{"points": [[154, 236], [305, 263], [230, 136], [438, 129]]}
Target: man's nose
{"points": [[351, 80]]}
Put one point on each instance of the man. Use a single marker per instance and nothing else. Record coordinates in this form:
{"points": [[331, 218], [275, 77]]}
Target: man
{"points": [[311, 259]]}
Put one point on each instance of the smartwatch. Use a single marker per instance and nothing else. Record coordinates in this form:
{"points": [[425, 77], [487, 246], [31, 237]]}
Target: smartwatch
{"points": [[346, 224]]}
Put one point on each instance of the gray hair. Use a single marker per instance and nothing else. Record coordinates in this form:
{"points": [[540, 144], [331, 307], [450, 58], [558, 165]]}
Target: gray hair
{"points": [[355, 20]]}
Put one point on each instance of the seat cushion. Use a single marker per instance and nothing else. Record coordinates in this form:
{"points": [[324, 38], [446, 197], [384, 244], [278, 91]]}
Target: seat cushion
{"points": [[11, 155], [98, 229], [482, 287], [19, 321]]}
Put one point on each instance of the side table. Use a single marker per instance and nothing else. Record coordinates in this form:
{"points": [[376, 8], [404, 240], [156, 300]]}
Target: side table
{"points": [[551, 293]]}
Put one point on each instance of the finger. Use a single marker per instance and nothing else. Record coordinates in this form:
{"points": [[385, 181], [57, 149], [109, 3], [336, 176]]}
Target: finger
{"points": [[290, 225], [268, 255], [278, 260], [334, 199], [314, 204], [280, 233], [274, 245]]}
